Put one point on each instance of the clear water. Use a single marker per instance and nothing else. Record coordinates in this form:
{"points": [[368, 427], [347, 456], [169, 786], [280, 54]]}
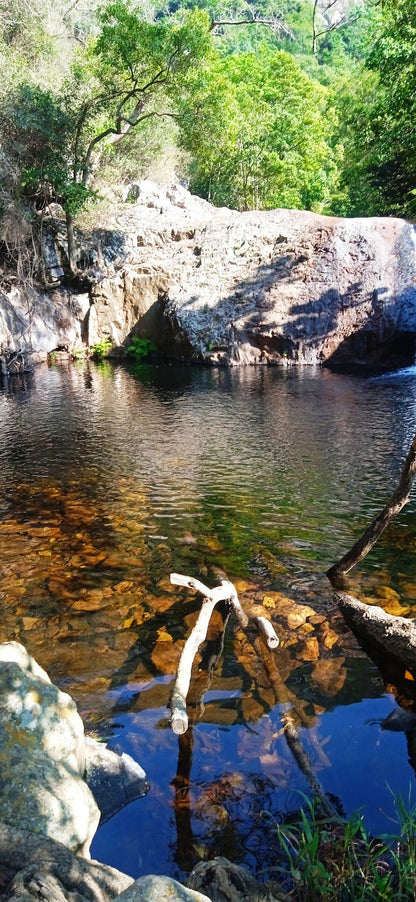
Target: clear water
{"points": [[112, 479]]}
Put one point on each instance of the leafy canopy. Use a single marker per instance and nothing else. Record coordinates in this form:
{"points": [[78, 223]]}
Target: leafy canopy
{"points": [[258, 129]]}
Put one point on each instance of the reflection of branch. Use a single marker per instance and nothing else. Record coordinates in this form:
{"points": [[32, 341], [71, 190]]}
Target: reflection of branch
{"points": [[182, 781], [282, 696], [394, 505], [182, 802], [302, 760], [224, 592]]}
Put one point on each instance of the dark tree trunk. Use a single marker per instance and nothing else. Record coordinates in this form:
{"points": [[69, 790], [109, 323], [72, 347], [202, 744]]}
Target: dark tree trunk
{"points": [[394, 636], [396, 502]]}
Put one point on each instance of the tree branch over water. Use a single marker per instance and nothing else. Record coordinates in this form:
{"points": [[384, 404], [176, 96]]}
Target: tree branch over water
{"points": [[396, 502]]}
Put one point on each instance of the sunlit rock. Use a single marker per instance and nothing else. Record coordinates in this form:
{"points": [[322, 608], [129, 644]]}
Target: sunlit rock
{"points": [[53, 781], [284, 287], [160, 889], [42, 756]]}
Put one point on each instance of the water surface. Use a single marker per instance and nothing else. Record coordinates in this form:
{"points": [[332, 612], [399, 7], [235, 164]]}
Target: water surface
{"points": [[112, 479]]}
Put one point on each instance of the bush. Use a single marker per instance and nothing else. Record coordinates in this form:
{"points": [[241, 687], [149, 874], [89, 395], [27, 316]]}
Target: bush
{"points": [[140, 348]]}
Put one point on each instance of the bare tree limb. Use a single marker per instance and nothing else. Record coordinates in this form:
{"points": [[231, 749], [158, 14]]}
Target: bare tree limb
{"points": [[396, 502], [224, 592], [344, 19], [179, 717], [272, 22]]}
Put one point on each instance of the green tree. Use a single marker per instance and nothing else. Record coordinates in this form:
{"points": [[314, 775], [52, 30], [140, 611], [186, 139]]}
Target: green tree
{"points": [[393, 57], [377, 109], [54, 139], [258, 129]]}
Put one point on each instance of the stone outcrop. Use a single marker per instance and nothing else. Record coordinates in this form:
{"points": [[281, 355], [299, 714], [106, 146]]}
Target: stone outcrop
{"points": [[291, 287], [54, 785], [53, 781], [214, 285]]}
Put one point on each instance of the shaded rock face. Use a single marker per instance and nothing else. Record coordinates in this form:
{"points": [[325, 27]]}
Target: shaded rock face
{"points": [[282, 287]]}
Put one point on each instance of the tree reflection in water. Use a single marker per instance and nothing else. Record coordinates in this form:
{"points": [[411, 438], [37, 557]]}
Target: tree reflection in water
{"points": [[231, 809]]}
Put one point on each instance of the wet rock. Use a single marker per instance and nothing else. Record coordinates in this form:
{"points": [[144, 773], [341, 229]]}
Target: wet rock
{"points": [[114, 780]]}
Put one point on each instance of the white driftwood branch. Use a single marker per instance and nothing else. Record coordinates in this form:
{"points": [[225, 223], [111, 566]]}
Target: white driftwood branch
{"points": [[226, 591], [266, 628], [179, 717]]}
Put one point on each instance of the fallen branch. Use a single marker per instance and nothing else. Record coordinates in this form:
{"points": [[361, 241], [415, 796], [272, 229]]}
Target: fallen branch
{"points": [[393, 507], [226, 591], [395, 636], [267, 631]]}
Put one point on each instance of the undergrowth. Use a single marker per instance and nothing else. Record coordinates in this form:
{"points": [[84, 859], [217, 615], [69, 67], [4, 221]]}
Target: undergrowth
{"points": [[331, 860]]}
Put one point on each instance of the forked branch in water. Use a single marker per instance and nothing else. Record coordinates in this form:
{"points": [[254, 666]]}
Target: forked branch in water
{"points": [[226, 591], [393, 507]]}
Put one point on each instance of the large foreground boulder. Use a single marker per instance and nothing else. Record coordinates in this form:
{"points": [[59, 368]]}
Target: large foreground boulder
{"points": [[42, 755], [53, 781]]}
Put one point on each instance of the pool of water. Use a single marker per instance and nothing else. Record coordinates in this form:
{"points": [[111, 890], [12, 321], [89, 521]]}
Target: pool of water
{"points": [[110, 480]]}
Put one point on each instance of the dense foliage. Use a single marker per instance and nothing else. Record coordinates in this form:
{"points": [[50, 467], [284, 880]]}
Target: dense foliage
{"points": [[259, 103], [258, 129]]}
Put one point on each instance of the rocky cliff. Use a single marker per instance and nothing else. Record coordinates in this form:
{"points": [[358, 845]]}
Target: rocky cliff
{"points": [[222, 287]]}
